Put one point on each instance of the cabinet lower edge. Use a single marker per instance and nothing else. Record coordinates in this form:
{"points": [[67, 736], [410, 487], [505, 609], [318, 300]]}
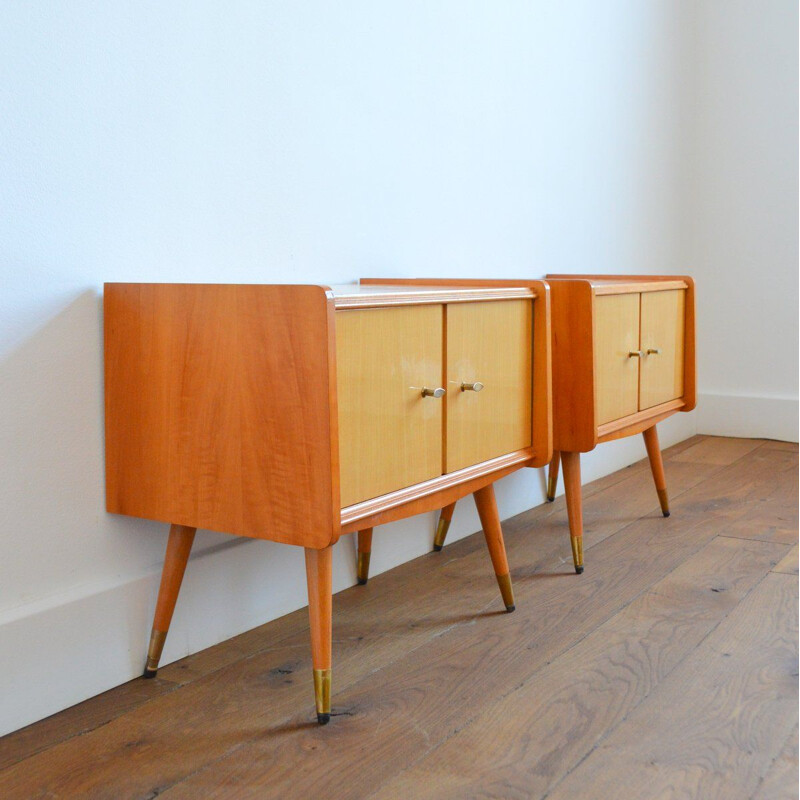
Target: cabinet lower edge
{"points": [[636, 423], [406, 502]]}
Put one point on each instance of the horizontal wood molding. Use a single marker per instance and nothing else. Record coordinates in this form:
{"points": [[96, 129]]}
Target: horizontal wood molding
{"points": [[421, 297], [637, 287], [362, 511], [629, 425]]}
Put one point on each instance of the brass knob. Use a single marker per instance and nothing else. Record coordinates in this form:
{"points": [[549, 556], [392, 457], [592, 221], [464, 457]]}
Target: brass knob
{"points": [[635, 354], [471, 387], [437, 393], [653, 351]]}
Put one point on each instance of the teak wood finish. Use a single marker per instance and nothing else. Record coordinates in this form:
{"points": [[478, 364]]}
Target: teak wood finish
{"points": [[608, 379], [297, 414]]}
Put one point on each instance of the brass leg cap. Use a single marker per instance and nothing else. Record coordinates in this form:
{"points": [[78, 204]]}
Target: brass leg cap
{"points": [[506, 592], [322, 695], [664, 501], [551, 488], [157, 639], [577, 552], [441, 534], [362, 570]]}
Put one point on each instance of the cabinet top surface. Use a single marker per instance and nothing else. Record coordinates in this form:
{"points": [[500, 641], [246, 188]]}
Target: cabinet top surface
{"points": [[376, 295], [623, 284]]}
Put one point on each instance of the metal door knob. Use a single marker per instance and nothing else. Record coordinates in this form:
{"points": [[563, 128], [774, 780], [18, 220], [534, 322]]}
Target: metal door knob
{"points": [[653, 351], [635, 354], [471, 387], [426, 392]]}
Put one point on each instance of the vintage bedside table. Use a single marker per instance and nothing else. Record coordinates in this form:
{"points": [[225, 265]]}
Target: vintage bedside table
{"points": [[623, 360], [300, 413]]}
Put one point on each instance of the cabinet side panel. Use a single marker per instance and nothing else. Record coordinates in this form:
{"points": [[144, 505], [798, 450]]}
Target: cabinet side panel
{"points": [[572, 314], [488, 342], [390, 435], [616, 335], [542, 424], [217, 400]]}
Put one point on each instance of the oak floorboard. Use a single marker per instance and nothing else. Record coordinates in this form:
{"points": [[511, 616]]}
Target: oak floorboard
{"points": [[780, 782], [721, 451], [771, 514], [774, 444], [579, 697], [788, 563], [716, 724]]}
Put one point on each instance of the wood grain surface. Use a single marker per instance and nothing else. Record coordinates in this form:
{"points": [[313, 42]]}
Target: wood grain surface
{"points": [[490, 343], [617, 680], [390, 436], [211, 391], [616, 335], [662, 329]]}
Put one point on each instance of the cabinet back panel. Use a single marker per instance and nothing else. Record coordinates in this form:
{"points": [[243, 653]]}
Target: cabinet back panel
{"points": [[488, 342], [390, 437], [616, 334], [661, 374]]}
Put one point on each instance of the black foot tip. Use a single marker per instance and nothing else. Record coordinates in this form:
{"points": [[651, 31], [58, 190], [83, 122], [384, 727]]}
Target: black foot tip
{"points": [[362, 581], [510, 608], [665, 513], [550, 499], [149, 673], [323, 719], [437, 548], [579, 570]]}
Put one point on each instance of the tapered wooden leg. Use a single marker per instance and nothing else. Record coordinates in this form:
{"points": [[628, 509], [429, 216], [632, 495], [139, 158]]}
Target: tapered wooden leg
{"points": [[552, 476], [444, 523], [572, 488], [657, 467], [490, 520], [320, 601], [179, 545], [364, 550]]}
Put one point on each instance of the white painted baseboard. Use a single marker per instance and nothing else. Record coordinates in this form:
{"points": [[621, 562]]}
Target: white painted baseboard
{"points": [[62, 650], [747, 416]]}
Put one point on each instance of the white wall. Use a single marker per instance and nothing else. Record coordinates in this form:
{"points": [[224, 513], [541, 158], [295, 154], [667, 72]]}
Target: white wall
{"points": [[275, 142], [742, 212]]}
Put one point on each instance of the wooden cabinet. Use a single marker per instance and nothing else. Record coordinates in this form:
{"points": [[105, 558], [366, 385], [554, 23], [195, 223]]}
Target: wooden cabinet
{"points": [[300, 413]]}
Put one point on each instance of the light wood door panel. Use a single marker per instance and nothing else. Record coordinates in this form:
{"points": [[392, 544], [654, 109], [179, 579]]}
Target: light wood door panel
{"points": [[489, 342], [390, 437], [616, 334], [662, 324]]}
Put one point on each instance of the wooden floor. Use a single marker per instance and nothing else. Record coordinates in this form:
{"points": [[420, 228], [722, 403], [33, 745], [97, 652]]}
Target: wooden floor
{"points": [[668, 669]]}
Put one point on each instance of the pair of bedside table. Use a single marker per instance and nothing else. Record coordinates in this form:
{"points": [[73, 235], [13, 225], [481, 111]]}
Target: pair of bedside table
{"points": [[301, 413]]}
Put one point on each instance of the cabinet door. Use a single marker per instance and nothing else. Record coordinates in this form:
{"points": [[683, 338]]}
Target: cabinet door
{"points": [[390, 436], [661, 373], [490, 343], [616, 335]]}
